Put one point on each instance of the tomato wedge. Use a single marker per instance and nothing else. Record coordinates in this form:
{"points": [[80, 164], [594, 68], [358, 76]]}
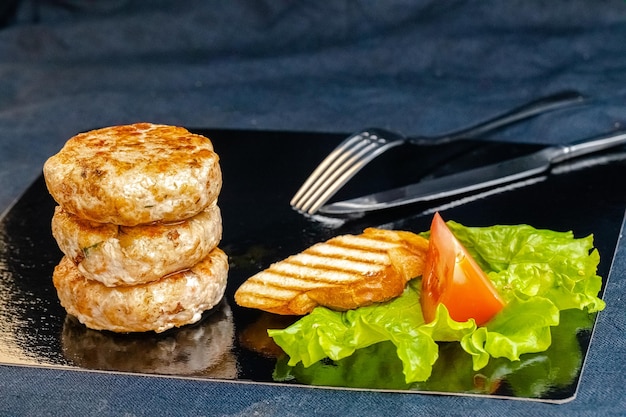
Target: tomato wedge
{"points": [[453, 278]]}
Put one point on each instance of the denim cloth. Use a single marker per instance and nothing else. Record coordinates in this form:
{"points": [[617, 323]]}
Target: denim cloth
{"points": [[418, 67]]}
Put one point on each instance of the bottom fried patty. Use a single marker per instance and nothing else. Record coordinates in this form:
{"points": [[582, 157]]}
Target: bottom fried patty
{"points": [[173, 301]]}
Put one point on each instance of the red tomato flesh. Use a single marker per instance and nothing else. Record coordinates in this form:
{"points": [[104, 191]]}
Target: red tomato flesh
{"points": [[453, 278]]}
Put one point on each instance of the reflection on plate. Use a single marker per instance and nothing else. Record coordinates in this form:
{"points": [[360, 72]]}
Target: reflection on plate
{"points": [[200, 349], [255, 338]]}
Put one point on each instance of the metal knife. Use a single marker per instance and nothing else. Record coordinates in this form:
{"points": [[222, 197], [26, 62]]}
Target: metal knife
{"points": [[475, 179]]}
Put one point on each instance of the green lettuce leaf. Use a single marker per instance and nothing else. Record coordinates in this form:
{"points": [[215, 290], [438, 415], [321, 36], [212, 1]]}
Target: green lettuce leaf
{"points": [[524, 261], [538, 272], [523, 328]]}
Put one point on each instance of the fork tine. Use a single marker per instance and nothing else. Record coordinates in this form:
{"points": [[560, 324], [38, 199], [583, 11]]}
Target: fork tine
{"points": [[337, 156], [337, 175], [376, 145]]}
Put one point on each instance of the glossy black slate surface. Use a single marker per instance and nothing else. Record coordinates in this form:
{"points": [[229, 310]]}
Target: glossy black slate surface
{"points": [[261, 172]]}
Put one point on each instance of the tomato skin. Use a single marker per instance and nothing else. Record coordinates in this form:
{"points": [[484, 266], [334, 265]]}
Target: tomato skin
{"points": [[453, 278]]}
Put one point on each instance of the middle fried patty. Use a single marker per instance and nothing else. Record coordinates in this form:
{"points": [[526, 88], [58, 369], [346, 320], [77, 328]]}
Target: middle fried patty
{"points": [[118, 255]]}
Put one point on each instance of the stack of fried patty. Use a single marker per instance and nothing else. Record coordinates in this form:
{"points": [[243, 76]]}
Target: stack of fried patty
{"points": [[139, 225]]}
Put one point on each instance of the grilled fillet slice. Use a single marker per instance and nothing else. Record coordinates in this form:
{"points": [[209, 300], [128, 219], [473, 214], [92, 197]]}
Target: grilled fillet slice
{"points": [[343, 273]]}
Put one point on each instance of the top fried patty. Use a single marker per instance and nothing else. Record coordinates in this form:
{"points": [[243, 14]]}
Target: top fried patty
{"points": [[135, 174]]}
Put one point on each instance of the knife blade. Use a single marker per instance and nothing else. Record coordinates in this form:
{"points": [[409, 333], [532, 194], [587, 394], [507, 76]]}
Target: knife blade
{"points": [[475, 179]]}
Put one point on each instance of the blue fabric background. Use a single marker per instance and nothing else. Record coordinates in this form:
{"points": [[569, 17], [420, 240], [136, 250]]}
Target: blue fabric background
{"points": [[422, 66]]}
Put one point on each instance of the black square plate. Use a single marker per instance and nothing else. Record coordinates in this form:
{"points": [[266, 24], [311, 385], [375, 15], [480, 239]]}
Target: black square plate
{"points": [[261, 172]]}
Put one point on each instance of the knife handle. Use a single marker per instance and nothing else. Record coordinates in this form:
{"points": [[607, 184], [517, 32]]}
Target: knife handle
{"points": [[588, 146]]}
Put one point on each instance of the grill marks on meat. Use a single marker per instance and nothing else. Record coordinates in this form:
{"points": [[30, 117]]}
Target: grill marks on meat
{"points": [[344, 272]]}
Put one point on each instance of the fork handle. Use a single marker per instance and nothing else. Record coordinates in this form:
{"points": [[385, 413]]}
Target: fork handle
{"points": [[531, 109]]}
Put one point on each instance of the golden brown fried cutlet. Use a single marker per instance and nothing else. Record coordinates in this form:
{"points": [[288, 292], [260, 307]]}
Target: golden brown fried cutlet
{"points": [[135, 174], [173, 301], [122, 255]]}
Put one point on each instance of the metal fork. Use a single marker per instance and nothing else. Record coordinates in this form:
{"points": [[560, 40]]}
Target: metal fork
{"points": [[351, 155]]}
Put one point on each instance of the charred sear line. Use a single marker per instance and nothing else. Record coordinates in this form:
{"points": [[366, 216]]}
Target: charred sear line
{"points": [[380, 245], [322, 271], [319, 275], [350, 253], [338, 263]]}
